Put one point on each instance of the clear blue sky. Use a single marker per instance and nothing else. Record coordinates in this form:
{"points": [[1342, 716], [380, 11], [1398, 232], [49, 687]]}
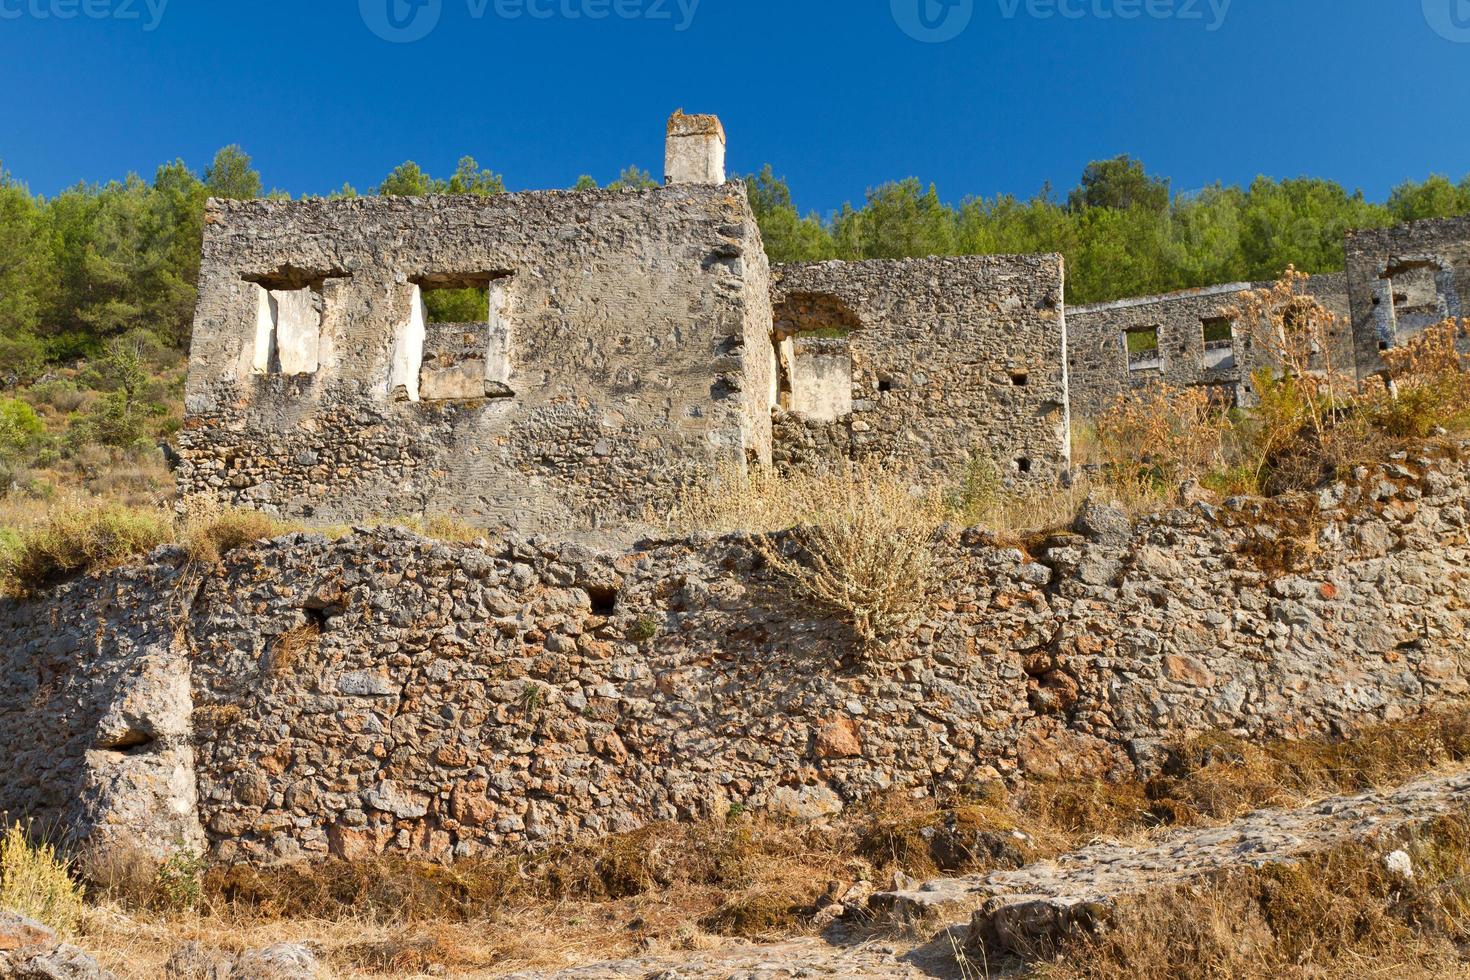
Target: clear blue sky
{"points": [[833, 93]]}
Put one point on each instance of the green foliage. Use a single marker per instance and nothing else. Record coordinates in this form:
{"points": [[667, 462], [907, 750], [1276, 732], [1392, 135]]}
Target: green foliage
{"points": [[633, 178], [1119, 184], [457, 305], [129, 402], [410, 180], [180, 881], [20, 428], [1119, 231], [232, 176], [585, 183]]}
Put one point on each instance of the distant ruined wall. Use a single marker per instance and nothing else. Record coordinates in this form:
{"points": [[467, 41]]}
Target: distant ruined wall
{"points": [[1187, 353], [387, 693], [611, 371], [953, 361], [1404, 279]]}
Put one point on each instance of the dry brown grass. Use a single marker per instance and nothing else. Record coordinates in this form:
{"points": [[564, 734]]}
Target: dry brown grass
{"points": [[78, 536], [679, 886], [1342, 914], [1154, 439], [860, 540], [208, 530]]}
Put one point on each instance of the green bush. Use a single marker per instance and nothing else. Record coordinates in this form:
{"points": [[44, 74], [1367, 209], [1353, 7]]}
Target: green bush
{"points": [[76, 538], [20, 428]]}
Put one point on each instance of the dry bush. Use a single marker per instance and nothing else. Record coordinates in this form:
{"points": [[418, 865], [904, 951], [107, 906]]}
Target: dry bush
{"points": [[35, 882], [983, 500], [1431, 384], [1308, 425], [860, 540], [1341, 913], [76, 537], [209, 530], [1155, 438]]}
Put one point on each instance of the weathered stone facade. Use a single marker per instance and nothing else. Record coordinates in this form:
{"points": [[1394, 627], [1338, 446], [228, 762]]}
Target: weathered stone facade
{"points": [[390, 693], [1404, 279], [1184, 340], [612, 369], [949, 362]]}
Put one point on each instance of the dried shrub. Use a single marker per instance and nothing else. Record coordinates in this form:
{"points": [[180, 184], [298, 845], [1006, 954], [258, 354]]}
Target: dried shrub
{"points": [[211, 530], [36, 882], [981, 499], [860, 541], [1431, 384], [288, 649], [1307, 425], [78, 537], [1157, 437]]}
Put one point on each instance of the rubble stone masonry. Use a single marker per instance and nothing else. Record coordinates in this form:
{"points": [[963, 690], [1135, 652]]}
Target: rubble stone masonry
{"points": [[388, 693]]}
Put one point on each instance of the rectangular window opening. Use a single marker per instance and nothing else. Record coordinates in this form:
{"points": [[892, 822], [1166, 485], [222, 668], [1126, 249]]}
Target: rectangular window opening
{"points": [[1142, 344], [288, 325], [465, 354]]}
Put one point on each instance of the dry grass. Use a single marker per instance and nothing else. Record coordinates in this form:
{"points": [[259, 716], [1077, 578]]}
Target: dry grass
{"points": [[860, 540], [679, 886], [209, 531], [74, 537], [1341, 914], [1154, 439], [35, 882]]}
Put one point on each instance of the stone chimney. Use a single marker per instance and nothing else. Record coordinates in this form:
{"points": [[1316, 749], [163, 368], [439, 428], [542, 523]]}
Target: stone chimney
{"points": [[695, 152]]}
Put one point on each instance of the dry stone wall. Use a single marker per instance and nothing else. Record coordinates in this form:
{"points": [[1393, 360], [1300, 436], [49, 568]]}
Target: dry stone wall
{"points": [[387, 693], [626, 318], [954, 361]]}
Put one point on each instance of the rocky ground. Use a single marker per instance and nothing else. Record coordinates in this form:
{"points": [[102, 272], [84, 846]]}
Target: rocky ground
{"points": [[963, 924]]}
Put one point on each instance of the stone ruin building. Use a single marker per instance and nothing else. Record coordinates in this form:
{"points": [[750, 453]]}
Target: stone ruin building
{"points": [[628, 346], [1403, 280], [1183, 339], [383, 693]]}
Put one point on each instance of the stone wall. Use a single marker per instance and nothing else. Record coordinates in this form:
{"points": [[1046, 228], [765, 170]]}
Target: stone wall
{"points": [[954, 360], [1197, 345], [1404, 279], [614, 364], [389, 693]]}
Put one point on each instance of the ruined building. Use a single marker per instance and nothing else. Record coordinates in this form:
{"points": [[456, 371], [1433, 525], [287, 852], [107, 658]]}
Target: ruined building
{"points": [[1183, 339], [574, 361]]}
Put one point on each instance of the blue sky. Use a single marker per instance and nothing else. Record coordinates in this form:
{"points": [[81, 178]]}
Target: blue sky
{"points": [[835, 94]]}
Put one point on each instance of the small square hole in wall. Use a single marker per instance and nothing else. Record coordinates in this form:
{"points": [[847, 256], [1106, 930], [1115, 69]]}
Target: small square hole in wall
{"points": [[1021, 379], [1023, 465], [885, 384], [1383, 345]]}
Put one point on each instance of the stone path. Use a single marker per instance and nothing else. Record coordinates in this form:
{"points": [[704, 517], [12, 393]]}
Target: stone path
{"points": [[1016, 907]]}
